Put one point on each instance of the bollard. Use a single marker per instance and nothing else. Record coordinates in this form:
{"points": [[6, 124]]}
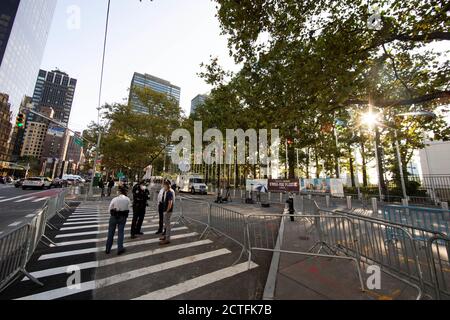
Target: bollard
{"points": [[375, 206], [270, 196], [310, 196], [281, 197], [327, 200], [349, 202]]}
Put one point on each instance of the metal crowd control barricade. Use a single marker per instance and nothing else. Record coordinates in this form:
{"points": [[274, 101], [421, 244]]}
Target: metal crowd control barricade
{"points": [[439, 255], [194, 211], [400, 258], [13, 255], [434, 220], [228, 223], [332, 237]]}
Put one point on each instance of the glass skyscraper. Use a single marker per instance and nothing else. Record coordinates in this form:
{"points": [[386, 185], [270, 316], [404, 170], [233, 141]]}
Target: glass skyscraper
{"points": [[24, 27], [148, 81]]}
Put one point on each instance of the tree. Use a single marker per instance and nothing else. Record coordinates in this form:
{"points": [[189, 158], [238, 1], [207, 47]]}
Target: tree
{"points": [[306, 63]]}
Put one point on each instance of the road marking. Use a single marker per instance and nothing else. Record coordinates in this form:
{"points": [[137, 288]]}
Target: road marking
{"points": [[90, 233], [90, 226], [11, 199], [26, 199], [41, 199], [30, 215], [94, 250], [196, 283], [95, 240], [15, 224], [125, 258], [130, 275]]}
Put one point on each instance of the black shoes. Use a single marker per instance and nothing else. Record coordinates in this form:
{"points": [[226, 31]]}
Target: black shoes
{"points": [[107, 251], [140, 233], [133, 236], [121, 252], [158, 232]]}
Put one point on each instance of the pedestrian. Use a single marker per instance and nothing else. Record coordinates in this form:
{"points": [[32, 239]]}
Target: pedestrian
{"points": [[168, 201], [290, 204], [119, 210], [111, 184], [140, 198], [161, 210], [101, 185]]}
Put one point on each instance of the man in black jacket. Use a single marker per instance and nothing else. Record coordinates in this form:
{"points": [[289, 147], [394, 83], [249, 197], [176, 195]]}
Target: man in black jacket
{"points": [[140, 197]]}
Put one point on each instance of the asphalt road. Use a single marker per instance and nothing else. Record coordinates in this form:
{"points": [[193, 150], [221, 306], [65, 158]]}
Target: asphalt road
{"points": [[18, 206]]}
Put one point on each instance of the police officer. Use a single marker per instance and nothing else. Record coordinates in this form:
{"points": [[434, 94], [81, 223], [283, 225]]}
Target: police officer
{"points": [[140, 197]]}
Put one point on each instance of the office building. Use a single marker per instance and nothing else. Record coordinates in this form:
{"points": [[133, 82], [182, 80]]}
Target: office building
{"points": [[148, 81], [198, 101], [74, 156], [56, 90], [35, 135], [54, 150], [24, 27], [5, 127]]}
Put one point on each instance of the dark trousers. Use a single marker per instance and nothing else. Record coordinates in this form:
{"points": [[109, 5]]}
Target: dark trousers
{"points": [[292, 212], [116, 222], [138, 219], [161, 217]]}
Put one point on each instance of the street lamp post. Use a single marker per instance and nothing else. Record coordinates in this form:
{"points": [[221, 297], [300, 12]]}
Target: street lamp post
{"points": [[400, 165]]}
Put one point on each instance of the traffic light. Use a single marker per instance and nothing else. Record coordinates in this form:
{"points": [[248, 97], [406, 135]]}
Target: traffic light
{"points": [[20, 121], [290, 141]]}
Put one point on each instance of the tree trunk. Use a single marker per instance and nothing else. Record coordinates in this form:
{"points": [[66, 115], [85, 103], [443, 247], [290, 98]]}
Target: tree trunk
{"points": [[364, 164], [352, 168]]}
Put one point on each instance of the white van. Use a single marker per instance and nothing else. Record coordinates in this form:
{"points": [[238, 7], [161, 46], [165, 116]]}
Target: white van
{"points": [[192, 183]]}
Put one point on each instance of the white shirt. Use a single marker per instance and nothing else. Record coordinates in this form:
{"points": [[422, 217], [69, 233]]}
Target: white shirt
{"points": [[161, 194], [120, 203]]}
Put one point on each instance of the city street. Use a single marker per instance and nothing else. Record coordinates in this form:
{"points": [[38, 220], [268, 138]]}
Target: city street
{"points": [[17, 206], [190, 268]]}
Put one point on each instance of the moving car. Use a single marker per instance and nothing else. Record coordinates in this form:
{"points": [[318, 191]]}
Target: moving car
{"points": [[37, 182], [19, 183], [59, 183], [73, 179]]}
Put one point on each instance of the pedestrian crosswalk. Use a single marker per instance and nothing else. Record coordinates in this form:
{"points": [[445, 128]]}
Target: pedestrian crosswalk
{"points": [[146, 271]]}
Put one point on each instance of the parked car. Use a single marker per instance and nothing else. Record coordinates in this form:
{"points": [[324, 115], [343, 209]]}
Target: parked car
{"points": [[19, 183], [37, 183]]}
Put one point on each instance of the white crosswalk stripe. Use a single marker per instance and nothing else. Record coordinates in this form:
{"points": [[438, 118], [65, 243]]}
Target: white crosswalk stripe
{"points": [[41, 199], [96, 240], [26, 199], [102, 283], [202, 261], [94, 250], [89, 233], [189, 285], [129, 257]]}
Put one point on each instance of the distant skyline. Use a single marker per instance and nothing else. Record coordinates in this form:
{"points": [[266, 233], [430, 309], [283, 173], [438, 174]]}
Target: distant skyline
{"points": [[168, 39]]}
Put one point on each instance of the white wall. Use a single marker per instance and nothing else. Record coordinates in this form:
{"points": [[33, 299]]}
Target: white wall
{"points": [[435, 158]]}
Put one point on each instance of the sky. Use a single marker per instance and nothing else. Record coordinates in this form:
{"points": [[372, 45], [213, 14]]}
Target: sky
{"points": [[166, 38]]}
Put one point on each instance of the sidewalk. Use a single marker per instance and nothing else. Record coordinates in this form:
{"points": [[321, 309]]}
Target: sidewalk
{"points": [[316, 278]]}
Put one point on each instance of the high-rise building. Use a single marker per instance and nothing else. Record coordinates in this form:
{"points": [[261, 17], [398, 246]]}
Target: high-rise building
{"points": [[35, 135], [24, 27], [148, 81], [56, 90], [198, 101], [74, 155], [5, 127]]}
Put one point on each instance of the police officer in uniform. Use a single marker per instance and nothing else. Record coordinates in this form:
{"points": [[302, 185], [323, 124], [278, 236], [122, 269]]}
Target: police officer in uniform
{"points": [[140, 197]]}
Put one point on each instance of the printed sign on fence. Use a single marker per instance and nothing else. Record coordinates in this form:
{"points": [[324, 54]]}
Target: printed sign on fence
{"points": [[258, 185], [284, 185]]}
